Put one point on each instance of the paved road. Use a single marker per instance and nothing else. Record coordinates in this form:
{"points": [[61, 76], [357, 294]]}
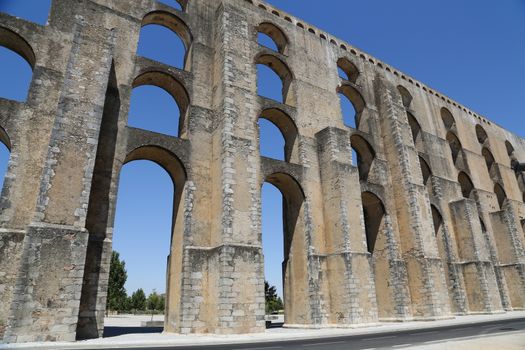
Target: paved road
{"points": [[375, 341]]}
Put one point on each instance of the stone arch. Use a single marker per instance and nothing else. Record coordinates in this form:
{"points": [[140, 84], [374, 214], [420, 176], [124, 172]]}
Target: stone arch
{"points": [[294, 267], [455, 146], [21, 51], [16, 43], [406, 97], [365, 155], [481, 134], [350, 69], [285, 74], [374, 213], [275, 33], [5, 139], [175, 168], [176, 25], [355, 98], [287, 127], [466, 185], [500, 194], [173, 87], [447, 118], [489, 158]]}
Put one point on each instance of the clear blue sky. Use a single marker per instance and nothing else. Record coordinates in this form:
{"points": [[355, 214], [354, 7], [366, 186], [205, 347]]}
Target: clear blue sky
{"points": [[470, 50]]}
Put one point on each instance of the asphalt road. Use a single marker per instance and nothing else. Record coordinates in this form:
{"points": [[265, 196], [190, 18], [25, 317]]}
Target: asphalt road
{"points": [[375, 341]]}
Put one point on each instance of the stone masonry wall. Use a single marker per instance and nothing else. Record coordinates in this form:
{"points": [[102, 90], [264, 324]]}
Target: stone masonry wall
{"points": [[426, 223]]}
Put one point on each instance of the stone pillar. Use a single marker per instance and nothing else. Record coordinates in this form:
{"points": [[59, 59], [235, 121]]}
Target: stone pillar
{"points": [[510, 251], [350, 276], [474, 259], [418, 245], [47, 293]]}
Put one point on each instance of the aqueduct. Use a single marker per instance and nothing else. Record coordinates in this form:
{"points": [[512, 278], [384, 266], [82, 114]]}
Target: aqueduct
{"points": [[425, 224]]}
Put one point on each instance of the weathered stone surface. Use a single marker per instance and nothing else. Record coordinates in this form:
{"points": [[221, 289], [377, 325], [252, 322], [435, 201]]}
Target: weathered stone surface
{"points": [[425, 224]]}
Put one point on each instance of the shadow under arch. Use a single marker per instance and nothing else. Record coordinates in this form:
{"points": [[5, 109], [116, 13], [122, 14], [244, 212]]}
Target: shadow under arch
{"points": [[500, 194], [4, 138], [173, 87], [287, 127], [283, 71], [349, 68], [16, 43], [406, 97], [294, 266], [276, 34], [481, 134], [374, 212], [448, 120], [455, 146], [467, 187], [365, 155]]}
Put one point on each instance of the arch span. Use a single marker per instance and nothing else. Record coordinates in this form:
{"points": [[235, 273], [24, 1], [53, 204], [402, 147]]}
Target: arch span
{"points": [[283, 71], [275, 33], [348, 68], [355, 98], [365, 155], [287, 127], [172, 86]]}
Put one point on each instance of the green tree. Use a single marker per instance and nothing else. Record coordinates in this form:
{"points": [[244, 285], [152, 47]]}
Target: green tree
{"points": [[138, 300], [273, 301], [155, 301], [117, 296]]}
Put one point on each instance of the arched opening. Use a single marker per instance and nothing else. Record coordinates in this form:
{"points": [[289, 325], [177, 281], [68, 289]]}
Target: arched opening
{"points": [[143, 226], [274, 79], [437, 219], [352, 105], [406, 97], [415, 128], [455, 146], [270, 36], [481, 134], [149, 220], [16, 70], [500, 195], [159, 103], [272, 240], [278, 135], [31, 10], [447, 118], [365, 156], [347, 70], [165, 38], [489, 158], [271, 141], [466, 185], [294, 257], [374, 212], [425, 171]]}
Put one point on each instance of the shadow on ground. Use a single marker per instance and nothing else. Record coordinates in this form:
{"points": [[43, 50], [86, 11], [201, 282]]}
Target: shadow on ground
{"points": [[116, 331]]}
